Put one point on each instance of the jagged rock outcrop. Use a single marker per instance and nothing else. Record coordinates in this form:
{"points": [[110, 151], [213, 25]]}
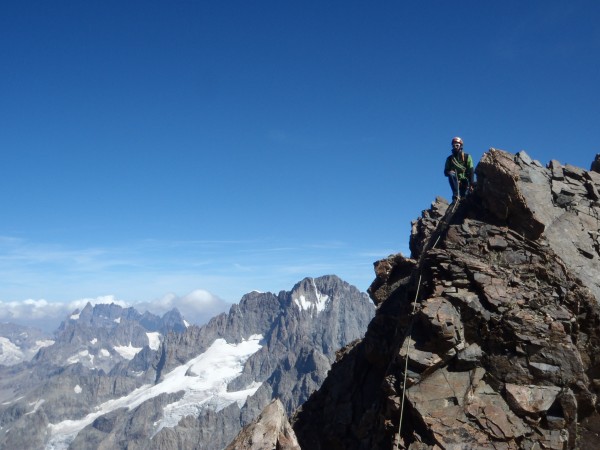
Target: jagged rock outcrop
{"points": [[270, 430], [101, 336], [488, 337]]}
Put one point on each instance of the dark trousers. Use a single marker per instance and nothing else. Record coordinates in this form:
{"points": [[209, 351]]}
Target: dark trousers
{"points": [[459, 188]]}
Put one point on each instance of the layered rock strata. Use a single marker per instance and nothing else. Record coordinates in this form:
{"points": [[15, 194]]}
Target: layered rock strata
{"points": [[488, 336]]}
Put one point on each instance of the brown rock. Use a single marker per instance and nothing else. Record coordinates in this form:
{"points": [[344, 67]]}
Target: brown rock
{"points": [[505, 343], [444, 324], [531, 399], [497, 243], [498, 186]]}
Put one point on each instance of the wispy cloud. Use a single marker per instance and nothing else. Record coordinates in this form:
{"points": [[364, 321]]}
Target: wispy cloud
{"points": [[44, 314], [197, 307]]}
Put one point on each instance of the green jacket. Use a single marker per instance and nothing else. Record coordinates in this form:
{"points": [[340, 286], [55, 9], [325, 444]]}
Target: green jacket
{"points": [[462, 165]]}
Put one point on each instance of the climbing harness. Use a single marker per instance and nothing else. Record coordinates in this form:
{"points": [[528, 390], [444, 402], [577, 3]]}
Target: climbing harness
{"points": [[441, 227]]}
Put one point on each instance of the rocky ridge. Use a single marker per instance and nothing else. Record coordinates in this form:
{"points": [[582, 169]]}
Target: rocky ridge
{"points": [[488, 336], [301, 330], [196, 388], [101, 336]]}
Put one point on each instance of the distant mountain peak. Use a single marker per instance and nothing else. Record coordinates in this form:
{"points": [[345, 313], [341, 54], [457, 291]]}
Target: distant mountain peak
{"points": [[307, 297], [102, 335]]}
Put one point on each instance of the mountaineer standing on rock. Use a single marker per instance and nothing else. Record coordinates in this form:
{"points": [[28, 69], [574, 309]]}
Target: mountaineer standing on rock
{"points": [[459, 170]]}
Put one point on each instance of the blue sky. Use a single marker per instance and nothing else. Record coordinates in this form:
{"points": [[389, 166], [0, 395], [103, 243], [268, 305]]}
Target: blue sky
{"points": [[154, 149]]}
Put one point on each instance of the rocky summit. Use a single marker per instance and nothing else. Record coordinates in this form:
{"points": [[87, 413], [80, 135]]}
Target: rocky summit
{"points": [[488, 336]]}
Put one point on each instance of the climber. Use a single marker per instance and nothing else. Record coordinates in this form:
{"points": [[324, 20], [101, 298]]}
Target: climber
{"points": [[459, 170]]}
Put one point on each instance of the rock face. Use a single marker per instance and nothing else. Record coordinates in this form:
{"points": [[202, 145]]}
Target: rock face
{"points": [[270, 430], [101, 336], [488, 337], [189, 387]]}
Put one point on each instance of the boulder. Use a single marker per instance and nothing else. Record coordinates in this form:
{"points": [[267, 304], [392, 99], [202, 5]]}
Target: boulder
{"points": [[270, 430], [531, 399]]}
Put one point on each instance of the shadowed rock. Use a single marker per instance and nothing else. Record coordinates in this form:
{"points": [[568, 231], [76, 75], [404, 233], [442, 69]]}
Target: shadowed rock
{"points": [[596, 164]]}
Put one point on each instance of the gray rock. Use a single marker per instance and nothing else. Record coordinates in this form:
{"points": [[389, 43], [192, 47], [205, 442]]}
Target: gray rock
{"points": [[270, 430]]}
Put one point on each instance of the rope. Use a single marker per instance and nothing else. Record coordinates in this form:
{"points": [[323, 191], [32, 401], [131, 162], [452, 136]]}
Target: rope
{"points": [[409, 332], [439, 229]]}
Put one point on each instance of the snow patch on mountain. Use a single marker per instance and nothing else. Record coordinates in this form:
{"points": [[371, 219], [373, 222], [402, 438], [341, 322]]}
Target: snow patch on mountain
{"points": [[43, 343], [153, 340], [35, 405], [79, 357], [204, 380], [12, 353], [127, 351], [306, 305], [9, 353]]}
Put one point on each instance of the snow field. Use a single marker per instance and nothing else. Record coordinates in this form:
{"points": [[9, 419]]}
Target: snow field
{"points": [[203, 379]]}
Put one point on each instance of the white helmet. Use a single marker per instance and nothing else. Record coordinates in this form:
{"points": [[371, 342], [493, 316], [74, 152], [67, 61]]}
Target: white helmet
{"points": [[457, 140]]}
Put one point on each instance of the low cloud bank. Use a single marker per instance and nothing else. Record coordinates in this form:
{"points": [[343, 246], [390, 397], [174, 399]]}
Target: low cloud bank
{"points": [[197, 307]]}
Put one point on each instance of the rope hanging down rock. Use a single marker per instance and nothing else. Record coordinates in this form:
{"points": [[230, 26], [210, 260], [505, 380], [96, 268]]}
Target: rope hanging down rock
{"points": [[441, 227]]}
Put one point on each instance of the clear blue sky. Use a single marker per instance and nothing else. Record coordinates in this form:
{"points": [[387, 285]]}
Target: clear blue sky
{"points": [[153, 147]]}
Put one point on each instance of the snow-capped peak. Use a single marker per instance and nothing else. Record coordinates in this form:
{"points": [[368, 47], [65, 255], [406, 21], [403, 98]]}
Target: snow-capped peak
{"points": [[306, 305]]}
